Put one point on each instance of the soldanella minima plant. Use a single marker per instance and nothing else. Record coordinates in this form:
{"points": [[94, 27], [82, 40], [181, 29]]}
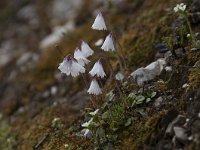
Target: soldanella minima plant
{"points": [[76, 65]]}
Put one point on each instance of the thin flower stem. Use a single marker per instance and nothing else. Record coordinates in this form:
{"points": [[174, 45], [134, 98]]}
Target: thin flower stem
{"points": [[60, 51], [121, 51], [112, 72], [190, 28], [68, 36], [84, 80], [87, 86], [101, 84]]}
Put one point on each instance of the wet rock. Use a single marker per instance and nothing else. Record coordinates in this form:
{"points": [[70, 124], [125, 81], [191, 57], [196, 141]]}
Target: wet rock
{"points": [[180, 133], [161, 47], [158, 102], [143, 75], [179, 53], [80, 99], [168, 68], [29, 14], [195, 17], [6, 52], [63, 10], [56, 35], [27, 60], [179, 120], [185, 85], [196, 3]]}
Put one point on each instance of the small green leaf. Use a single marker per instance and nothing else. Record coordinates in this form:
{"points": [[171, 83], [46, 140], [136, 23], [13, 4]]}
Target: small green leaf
{"points": [[114, 126], [140, 99], [153, 94], [141, 112], [128, 122], [105, 115], [100, 133], [148, 100], [110, 95], [125, 84], [132, 95]]}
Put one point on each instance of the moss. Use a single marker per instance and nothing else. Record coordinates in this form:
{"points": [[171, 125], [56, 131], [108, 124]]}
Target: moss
{"points": [[194, 78], [142, 34], [193, 57], [142, 132], [7, 137], [31, 131], [147, 132]]}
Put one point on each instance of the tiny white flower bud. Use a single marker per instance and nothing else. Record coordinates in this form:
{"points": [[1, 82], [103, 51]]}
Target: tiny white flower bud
{"points": [[94, 112], [86, 124], [94, 88], [108, 44], [98, 70], [86, 50], [119, 76], [99, 23], [99, 42]]}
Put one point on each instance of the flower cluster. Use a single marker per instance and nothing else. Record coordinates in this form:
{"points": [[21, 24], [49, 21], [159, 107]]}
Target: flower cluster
{"points": [[75, 65], [180, 7]]}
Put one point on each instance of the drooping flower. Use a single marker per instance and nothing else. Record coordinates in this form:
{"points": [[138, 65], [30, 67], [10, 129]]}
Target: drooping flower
{"points": [[78, 55], [94, 112], [88, 123], [86, 50], [94, 88], [98, 70], [180, 7], [108, 44], [99, 23], [70, 66]]}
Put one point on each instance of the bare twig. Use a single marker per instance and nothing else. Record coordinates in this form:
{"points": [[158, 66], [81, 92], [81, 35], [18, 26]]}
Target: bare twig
{"points": [[40, 143]]}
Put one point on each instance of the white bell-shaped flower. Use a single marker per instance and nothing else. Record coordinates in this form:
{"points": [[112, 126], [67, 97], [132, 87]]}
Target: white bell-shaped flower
{"points": [[78, 55], [94, 88], [99, 23], [98, 70], [70, 66], [86, 50], [108, 44]]}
